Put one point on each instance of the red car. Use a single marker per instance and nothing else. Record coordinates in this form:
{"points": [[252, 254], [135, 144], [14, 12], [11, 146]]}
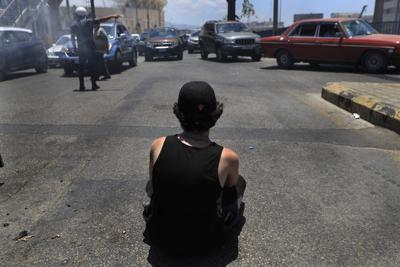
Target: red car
{"points": [[350, 41]]}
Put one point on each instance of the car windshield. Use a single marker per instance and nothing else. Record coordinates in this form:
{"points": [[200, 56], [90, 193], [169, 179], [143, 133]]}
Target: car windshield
{"points": [[109, 30], [63, 40], [166, 33], [195, 34], [358, 27], [232, 27]]}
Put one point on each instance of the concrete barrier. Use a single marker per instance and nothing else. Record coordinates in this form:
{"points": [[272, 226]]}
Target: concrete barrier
{"points": [[354, 97]]}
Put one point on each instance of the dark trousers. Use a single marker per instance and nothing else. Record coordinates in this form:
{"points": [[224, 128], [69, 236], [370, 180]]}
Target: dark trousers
{"points": [[101, 68], [87, 61]]}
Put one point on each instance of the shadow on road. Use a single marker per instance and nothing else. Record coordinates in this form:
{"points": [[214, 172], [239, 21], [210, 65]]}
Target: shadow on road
{"points": [[18, 75], [230, 60], [227, 254], [332, 68], [112, 72], [163, 59]]}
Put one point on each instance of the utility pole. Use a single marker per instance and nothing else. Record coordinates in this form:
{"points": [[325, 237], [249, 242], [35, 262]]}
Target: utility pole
{"points": [[231, 9], [68, 9], [276, 18], [93, 9]]}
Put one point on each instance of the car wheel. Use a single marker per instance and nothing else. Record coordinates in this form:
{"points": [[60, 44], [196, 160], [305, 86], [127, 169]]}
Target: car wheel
{"points": [[374, 62], [256, 57], [203, 53], [133, 60], [117, 64], [284, 59], [68, 71], [41, 65], [221, 57]]}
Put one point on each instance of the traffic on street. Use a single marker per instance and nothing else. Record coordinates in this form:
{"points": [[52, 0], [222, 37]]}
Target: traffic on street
{"points": [[212, 144]]}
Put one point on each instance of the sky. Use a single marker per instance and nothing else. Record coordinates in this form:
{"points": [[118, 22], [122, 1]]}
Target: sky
{"points": [[195, 12]]}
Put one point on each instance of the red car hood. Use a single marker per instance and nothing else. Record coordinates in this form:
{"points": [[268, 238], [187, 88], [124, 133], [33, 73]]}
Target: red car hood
{"points": [[379, 38]]}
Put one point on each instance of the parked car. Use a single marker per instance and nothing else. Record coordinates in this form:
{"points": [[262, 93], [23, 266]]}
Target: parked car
{"points": [[21, 50], [350, 41], [193, 42], [163, 42], [59, 50], [228, 38], [122, 48], [142, 43]]}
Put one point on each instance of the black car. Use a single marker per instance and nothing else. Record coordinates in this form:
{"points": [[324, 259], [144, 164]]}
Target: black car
{"points": [[21, 50], [229, 38], [163, 42]]}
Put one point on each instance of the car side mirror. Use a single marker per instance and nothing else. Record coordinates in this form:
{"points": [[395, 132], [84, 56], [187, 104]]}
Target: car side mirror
{"points": [[339, 35]]}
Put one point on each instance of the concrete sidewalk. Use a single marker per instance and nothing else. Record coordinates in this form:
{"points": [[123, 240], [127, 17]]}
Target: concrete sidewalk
{"points": [[378, 103]]}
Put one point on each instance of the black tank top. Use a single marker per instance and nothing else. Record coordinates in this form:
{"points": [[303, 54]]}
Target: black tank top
{"points": [[184, 202]]}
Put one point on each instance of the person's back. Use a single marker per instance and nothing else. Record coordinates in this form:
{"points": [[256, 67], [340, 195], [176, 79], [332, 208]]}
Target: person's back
{"points": [[186, 190], [188, 173]]}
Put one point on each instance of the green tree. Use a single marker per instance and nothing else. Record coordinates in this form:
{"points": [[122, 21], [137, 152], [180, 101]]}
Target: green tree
{"points": [[248, 10]]}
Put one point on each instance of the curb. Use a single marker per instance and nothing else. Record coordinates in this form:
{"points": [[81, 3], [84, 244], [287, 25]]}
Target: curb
{"points": [[369, 108]]}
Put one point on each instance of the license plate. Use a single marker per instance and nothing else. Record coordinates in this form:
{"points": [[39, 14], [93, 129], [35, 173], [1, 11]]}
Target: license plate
{"points": [[247, 47], [162, 50]]}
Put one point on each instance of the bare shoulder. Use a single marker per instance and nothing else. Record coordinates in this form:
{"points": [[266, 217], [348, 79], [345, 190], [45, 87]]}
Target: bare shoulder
{"points": [[230, 156], [157, 143]]}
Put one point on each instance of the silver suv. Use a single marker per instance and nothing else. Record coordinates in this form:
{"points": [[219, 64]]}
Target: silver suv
{"points": [[229, 38]]}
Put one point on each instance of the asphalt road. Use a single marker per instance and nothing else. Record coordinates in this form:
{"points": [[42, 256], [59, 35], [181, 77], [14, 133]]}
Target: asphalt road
{"points": [[323, 187]]}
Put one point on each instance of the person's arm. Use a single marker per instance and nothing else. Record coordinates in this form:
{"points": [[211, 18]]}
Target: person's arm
{"points": [[73, 38], [228, 169], [155, 151], [106, 18]]}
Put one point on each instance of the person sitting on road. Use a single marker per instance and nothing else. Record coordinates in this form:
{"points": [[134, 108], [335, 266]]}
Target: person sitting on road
{"points": [[194, 186]]}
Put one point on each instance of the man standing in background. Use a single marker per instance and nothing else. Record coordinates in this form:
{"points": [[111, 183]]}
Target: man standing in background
{"points": [[83, 31]]}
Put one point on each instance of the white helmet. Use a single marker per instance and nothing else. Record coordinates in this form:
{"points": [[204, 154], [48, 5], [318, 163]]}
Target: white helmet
{"points": [[81, 12]]}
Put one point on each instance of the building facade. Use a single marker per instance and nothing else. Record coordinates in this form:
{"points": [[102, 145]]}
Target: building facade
{"points": [[136, 18], [298, 17], [387, 11]]}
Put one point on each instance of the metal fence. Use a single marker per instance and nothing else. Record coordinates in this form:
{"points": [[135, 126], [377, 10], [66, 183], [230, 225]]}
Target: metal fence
{"points": [[392, 27], [15, 9]]}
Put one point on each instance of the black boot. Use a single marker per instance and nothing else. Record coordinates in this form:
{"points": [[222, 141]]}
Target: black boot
{"points": [[81, 84], [95, 86]]}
